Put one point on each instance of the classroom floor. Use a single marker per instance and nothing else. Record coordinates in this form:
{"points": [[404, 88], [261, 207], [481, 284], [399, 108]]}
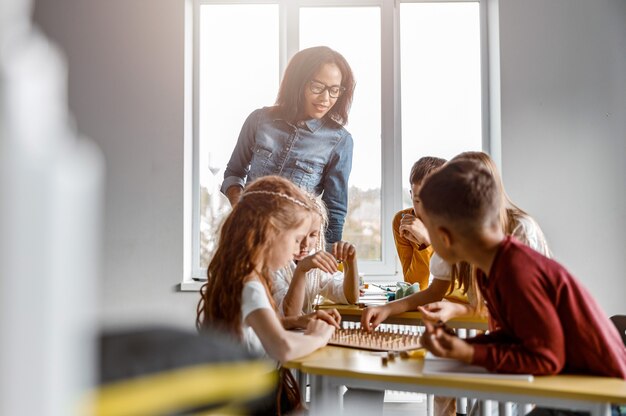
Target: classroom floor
{"points": [[400, 403]]}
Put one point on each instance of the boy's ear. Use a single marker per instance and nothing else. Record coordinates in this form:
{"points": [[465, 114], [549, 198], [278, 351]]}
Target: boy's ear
{"points": [[446, 236]]}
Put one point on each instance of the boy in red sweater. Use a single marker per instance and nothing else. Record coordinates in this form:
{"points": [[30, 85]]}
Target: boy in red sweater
{"points": [[539, 312]]}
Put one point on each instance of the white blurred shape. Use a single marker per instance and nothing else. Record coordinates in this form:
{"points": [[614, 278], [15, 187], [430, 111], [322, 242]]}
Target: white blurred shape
{"points": [[50, 211]]}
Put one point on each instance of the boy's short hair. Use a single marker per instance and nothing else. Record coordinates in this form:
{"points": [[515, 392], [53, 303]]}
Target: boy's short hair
{"points": [[424, 167], [464, 194]]}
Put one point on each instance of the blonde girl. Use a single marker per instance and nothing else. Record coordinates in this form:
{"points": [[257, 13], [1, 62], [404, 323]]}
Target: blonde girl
{"points": [[298, 286], [261, 235]]}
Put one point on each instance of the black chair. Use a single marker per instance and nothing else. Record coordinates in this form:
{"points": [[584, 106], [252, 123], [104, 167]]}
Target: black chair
{"points": [[620, 323], [169, 371]]}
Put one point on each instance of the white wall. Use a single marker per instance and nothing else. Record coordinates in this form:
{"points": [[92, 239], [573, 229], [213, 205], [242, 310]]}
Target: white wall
{"points": [[563, 74], [563, 127], [126, 92]]}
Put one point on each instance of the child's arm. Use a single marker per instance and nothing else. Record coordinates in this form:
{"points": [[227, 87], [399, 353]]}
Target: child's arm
{"points": [[330, 316], [346, 252], [294, 300], [534, 341], [233, 194], [403, 246], [415, 262], [444, 311], [374, 316], [283, 345], [433, 293]]}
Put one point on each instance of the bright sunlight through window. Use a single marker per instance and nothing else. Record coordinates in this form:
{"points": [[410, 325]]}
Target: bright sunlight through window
{"points": [[241, 49]]}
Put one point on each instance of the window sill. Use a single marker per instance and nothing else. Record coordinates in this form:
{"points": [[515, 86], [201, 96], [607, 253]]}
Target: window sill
{"points": [[190, 286], [194, 286]]}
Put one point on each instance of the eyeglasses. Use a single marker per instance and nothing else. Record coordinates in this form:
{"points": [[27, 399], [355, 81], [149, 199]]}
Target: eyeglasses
{"points": [[334, 91]]}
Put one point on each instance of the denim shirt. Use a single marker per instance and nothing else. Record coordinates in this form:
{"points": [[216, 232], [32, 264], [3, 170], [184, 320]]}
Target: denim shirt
{"points": [[315, 155]]}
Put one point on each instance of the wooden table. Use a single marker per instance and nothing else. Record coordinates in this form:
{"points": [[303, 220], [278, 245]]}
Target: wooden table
{"points": [[332, 367], [352, 313]]}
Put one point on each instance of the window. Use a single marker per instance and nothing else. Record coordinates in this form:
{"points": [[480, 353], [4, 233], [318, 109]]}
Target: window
{"points": [[418, 69], [440, 70], [228, 90], [347, 30]]}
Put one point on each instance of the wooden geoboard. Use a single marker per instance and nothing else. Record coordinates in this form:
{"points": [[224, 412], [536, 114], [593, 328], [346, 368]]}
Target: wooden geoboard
{"points": [[376, 340]]}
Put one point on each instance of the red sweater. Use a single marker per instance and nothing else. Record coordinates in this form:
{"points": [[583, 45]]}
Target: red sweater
{"points": [[546, 322]]}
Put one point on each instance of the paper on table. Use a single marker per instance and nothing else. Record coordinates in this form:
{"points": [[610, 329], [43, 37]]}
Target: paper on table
{"points": [[450, 367], [373, 296], [372, 299], [369, 302]]}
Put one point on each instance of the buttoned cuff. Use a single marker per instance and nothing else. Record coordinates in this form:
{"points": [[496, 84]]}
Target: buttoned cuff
{"points": [[333, 234], [231, 181]]}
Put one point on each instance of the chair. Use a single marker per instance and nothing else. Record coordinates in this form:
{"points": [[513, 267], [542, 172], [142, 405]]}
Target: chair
{"points": [[620, 323], [166, 371]]}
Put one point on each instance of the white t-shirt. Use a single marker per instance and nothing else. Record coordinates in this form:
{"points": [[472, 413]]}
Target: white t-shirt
{"points": [[439, 268], [329, 286], [253, 297]]}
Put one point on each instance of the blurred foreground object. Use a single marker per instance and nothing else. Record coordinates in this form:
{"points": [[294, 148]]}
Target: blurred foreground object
{"points": [[50, 209], [162, 371]]}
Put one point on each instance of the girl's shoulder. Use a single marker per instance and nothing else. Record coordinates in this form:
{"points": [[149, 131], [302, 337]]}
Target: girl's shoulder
{"points": [[252, 281], [528, 231], [439, 268], [254, 288], [255, 279]]}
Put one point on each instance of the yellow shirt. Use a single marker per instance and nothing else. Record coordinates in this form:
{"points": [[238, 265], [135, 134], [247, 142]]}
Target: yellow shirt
{"points": [[415, 262]]}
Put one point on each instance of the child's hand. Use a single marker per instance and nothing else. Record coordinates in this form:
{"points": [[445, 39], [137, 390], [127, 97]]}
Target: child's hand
{"points": [[413, 229], [441, 344], [372, 317], [330, 316], [437, 311], [320, 260], [344, 251], [320, 328], [444, 311]]}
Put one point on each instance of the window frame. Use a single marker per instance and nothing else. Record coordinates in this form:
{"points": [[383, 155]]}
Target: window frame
{"points": [[391, 135]]}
